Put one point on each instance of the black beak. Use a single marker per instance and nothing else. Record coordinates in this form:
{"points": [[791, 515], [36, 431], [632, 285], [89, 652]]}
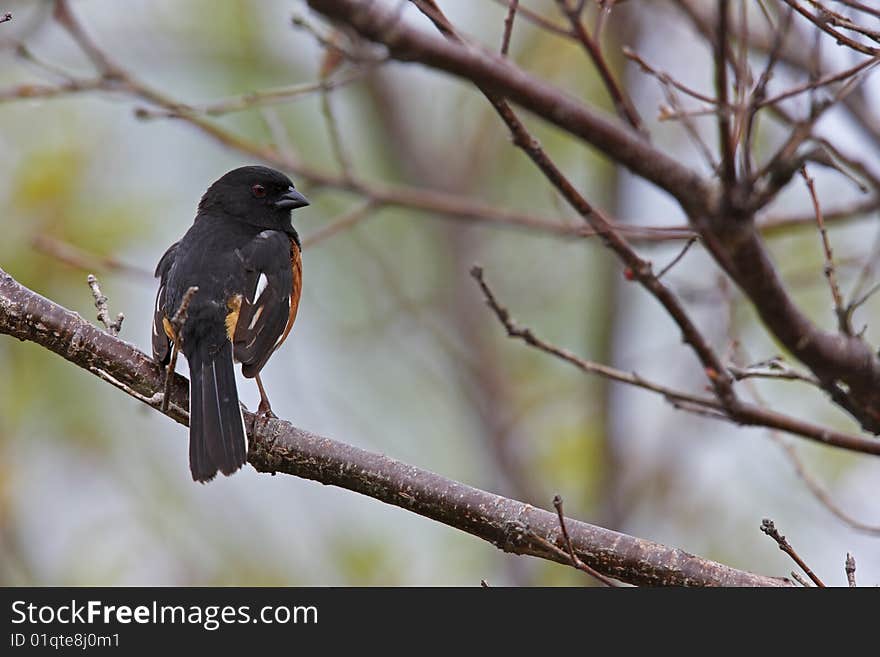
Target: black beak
{"points": [[291, 200]]}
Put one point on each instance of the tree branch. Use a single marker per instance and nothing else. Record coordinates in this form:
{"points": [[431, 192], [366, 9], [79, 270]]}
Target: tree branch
{"points": [[619, 97], [741, 413], [725, 138], [846, 365], [636, 267], [278, 446], [769, 528]]}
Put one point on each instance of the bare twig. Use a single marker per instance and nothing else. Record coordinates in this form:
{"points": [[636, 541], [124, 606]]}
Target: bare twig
{"points": [[678, 257], [259, 98], [528, 336], [65, 16], [820, 492], [855, 4], [336, 141], [800, 579], [742, 80], [669, 86], [177, 323], [575, 561], [769, 528], [27, 55], [537, 19], [781, 225], [725, 136], [114, 327], [508, 26], [777, 368], [332, 43], [31, 91], [340, 224], [829, 270], [760, 91], [74, 256], [787, 160], [859, 294], [857, 303], [839, 20], [675, 112], [743, 414], [850, 567], [821, 82], [665, 78], [622, 102], [678, 113], [773, 368], [155, 400], [825, 25]]}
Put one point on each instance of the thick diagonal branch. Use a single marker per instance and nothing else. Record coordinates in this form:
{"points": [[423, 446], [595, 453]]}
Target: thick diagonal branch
{"points": [[278, 446]]}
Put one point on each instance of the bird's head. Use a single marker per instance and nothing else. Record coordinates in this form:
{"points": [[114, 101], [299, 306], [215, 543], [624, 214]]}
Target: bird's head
{"points": [[254, 195]]}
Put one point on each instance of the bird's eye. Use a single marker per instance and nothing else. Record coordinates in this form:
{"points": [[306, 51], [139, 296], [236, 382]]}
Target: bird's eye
{"points": [[259, 191]]}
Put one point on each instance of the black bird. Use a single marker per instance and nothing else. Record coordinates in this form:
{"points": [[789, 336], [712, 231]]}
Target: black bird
{"points": [[244, 256]]}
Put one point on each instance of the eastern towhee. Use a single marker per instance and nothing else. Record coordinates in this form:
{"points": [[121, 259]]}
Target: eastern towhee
{"points": [[243, 255]]}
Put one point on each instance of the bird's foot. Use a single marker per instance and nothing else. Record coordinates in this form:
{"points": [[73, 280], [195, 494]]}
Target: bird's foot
{"points": [[265, 410]]}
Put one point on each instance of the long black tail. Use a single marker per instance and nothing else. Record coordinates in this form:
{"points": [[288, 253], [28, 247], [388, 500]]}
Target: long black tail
{"points": [[217, 439]]}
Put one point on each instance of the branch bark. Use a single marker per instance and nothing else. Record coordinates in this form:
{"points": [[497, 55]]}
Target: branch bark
{"points": [[278, 446]]}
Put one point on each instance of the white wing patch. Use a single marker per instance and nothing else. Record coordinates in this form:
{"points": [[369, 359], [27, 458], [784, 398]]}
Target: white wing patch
{"points": [[256, 318], [281, 337], [262, 283], [158, 308]]}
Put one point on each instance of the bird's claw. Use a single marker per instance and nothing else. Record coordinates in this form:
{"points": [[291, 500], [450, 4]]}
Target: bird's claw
{"points": [[266, 411]]}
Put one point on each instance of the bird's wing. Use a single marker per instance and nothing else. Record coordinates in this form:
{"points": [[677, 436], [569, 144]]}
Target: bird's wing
{"points": [[260, 318], [161, 339]]}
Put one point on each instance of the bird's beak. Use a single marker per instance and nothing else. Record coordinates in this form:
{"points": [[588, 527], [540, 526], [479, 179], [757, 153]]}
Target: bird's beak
{"points": [[291, 200]]}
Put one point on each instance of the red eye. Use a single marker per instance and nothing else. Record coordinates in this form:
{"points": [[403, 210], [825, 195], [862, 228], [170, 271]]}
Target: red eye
{"points": [[259, 191]]}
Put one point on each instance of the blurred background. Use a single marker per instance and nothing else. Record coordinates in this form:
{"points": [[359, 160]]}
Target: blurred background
{"points": [[394, 350]]}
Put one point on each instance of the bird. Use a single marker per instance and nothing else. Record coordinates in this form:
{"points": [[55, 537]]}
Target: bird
{"points": [[229, 291]]}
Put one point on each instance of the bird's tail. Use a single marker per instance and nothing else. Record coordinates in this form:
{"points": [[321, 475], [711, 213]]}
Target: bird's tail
{"points": [[217, 439]]}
